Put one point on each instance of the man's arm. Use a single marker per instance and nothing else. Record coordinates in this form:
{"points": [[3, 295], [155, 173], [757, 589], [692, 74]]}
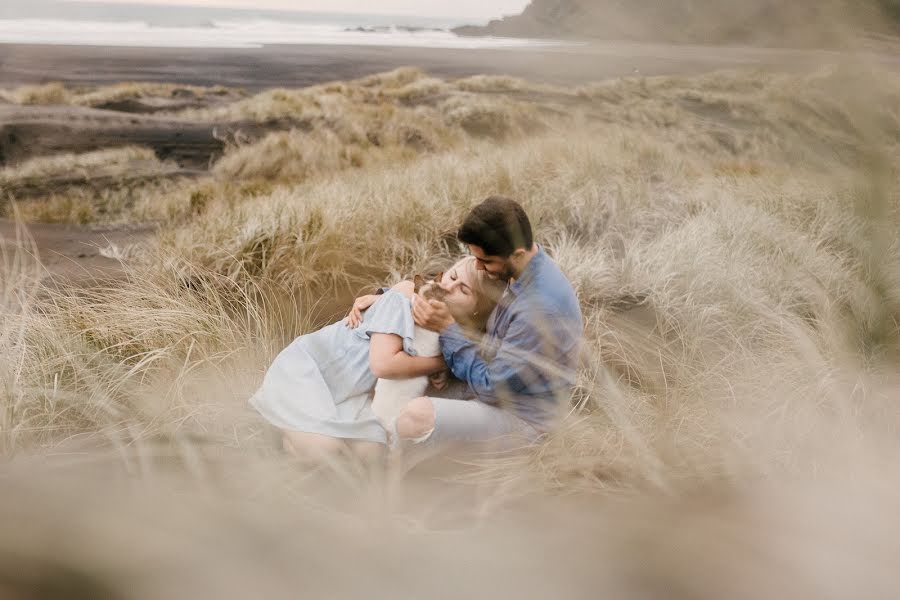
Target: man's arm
{"points": [[525, 363]]}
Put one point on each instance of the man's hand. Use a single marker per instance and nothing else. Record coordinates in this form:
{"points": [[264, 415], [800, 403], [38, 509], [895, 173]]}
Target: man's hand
{"points": [[359, 305], [431, 314]]}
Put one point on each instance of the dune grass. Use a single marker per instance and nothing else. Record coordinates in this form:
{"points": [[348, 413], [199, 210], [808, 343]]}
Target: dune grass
{"points": [[113, 162], [128, 184], [710, 267], [56, 93], [737, 121], [731, 239], [732, 270], [387, 118]]}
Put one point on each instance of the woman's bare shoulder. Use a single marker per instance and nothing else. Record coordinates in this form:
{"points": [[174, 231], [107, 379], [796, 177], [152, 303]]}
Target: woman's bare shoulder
{"points": [[406, 288]]}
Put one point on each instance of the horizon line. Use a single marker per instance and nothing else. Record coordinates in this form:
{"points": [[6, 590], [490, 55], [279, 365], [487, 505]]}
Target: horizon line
{"points": [[337, 11]]}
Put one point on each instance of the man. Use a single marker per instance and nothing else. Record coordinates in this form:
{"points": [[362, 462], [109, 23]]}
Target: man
{"points": [[526, 365]]}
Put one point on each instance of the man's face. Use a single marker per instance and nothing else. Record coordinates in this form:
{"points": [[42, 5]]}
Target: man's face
{"points": [[495, 266]]}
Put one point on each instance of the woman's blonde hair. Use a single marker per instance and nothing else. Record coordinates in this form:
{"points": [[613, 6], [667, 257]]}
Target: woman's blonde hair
{"points": [[487, 292]]}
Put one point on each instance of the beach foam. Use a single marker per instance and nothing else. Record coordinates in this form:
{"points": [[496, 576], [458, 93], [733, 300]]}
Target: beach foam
{"points": [[236, 34]]}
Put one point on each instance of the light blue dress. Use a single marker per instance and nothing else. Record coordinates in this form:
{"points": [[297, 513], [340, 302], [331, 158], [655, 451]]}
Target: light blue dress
{"points": [[322, 383]]}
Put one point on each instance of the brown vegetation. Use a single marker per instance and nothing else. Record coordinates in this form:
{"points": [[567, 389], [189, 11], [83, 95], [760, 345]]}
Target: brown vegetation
{"points": [[730, 237]]}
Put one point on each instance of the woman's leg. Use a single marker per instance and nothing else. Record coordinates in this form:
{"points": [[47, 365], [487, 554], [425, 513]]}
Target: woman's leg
{"points": [[311, 445], [368, 452], [318, 446]]}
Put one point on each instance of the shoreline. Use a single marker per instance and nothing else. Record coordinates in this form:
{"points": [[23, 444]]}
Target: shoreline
{"points": [[304, 65]]}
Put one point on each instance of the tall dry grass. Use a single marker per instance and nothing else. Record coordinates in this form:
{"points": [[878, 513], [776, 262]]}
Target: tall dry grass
{"points": [[734, 431], [388, 118], [98, 96], [112, 162], [735, 120]]}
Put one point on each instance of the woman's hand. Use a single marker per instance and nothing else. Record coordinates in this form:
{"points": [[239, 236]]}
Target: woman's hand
{"points": [[359, 305]]}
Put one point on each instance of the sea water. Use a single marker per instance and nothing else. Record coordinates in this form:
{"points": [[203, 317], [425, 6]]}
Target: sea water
{"points": [[97, 24]]}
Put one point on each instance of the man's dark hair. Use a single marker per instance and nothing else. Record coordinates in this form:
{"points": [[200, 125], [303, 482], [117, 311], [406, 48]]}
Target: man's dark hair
{"points": [[499, 226]]}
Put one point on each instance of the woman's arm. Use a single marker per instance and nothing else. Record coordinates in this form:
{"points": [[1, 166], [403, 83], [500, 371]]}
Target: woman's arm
{"points": [[362, 303], [388, 360]]}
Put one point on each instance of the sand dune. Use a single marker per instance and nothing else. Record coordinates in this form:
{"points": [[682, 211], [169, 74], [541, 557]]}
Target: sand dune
{"points": [[29, 131], [185, 146]]}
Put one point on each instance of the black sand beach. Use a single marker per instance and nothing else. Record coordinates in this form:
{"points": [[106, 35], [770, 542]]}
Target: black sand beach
{"points": [[297, 66]]}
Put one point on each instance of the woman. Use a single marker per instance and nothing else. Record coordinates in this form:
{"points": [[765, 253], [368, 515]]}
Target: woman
{"points": [[318, 389]]}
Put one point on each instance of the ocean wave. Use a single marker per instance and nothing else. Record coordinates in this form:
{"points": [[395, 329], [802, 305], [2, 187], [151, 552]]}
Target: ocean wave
{"points": [[238, 34]]}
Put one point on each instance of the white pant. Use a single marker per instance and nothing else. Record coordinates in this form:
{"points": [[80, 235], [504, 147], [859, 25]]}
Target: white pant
{"points": [[474, 422]]}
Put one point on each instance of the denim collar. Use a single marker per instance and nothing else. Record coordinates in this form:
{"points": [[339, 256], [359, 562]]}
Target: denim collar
{"points": [[530, 272]]}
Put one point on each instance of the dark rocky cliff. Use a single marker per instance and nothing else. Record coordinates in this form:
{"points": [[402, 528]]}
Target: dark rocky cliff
{"points": [[703, 21]]}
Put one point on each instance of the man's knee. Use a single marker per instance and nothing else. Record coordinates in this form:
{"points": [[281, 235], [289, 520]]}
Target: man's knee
{"points": [[416, 419]]}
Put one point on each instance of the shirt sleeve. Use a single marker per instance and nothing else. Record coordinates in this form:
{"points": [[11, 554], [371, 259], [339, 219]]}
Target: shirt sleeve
{"points": [[391, 314], [524, 363]]}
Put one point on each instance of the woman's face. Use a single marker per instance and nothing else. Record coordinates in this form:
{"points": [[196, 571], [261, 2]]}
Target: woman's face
{"points": [[460, 299]]}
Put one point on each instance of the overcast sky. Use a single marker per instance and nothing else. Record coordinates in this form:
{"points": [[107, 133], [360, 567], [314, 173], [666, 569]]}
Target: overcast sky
{"points": [[422, 8]]}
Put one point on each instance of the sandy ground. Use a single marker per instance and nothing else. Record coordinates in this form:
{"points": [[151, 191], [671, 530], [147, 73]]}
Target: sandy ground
{"points": [[68, 253], [75, 253]]}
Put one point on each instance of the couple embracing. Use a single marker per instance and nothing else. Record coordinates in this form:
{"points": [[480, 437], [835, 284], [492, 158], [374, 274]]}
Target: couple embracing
{"points": [[510, 330]]}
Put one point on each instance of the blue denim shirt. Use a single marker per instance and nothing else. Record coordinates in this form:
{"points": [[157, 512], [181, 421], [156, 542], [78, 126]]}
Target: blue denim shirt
{"points": [[528, 359]]}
